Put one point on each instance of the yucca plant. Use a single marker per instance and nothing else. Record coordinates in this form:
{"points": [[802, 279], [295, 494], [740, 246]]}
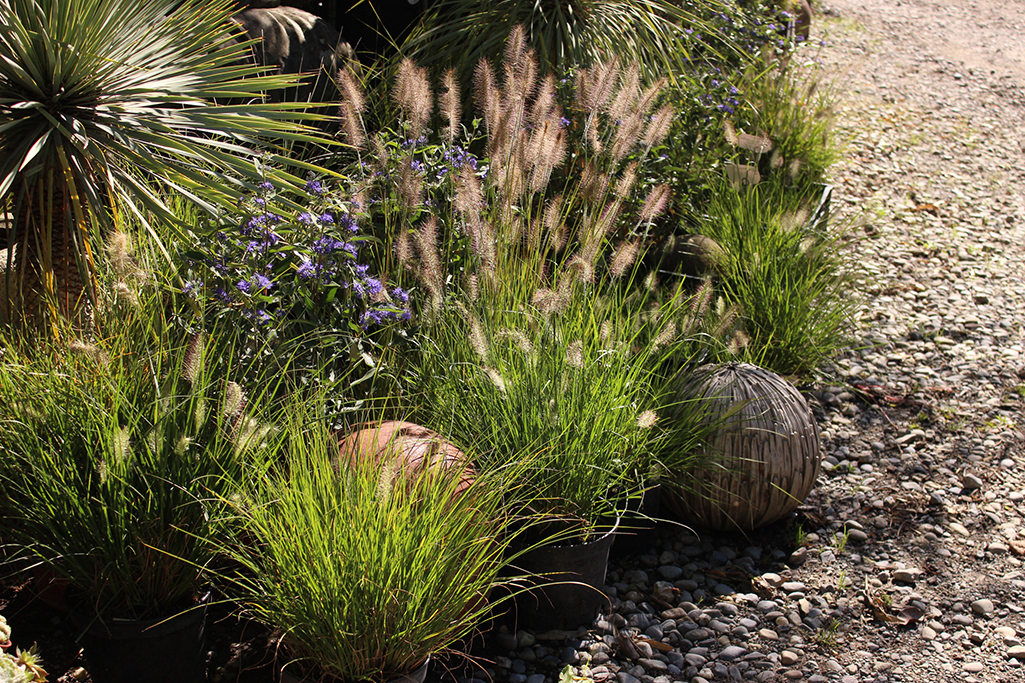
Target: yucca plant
{"points": [[563, 33], [369, 568], [113, 453], [101, 101]]}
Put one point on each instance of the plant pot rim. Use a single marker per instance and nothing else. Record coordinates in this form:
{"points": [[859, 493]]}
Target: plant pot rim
{"points": [[90, 622], [418, 675]]}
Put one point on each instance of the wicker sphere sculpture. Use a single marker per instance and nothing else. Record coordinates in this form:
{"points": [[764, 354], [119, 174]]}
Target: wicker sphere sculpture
{"points": [[762, 459]]}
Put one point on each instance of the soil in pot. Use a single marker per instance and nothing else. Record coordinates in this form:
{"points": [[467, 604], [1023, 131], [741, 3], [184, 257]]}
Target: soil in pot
{"points": [[167, 650]]}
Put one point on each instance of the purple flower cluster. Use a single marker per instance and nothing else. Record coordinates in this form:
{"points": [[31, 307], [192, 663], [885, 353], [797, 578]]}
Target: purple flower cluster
{"points": [[270, 271]]}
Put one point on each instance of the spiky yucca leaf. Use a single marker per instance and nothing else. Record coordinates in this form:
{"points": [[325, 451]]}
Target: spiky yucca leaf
{"points": [[103, 100]]}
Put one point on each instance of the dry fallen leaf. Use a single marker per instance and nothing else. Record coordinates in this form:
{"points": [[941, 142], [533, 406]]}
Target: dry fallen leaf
{"points": [[655, 644], [906, 617], [627, 649]]}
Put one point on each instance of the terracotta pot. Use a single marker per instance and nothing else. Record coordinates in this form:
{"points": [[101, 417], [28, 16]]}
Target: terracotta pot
{"points": [[419, 449]]}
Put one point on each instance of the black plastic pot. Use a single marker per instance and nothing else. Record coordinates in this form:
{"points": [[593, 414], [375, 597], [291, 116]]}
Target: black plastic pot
{"points": [[568, 589], [637, 528], [168, 650]]}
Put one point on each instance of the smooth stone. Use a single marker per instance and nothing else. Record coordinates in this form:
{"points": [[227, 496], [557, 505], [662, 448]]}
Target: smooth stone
{"points": [[695, 659], [857, 535], [653, 664], [1016, 652], [731, 652], [670, 572], [624, 677], [958, 528], [971, 482], [983, 606], [788, 658], [768, 634], [536, 678], [507, 641], [973, 667], [909, 575]]}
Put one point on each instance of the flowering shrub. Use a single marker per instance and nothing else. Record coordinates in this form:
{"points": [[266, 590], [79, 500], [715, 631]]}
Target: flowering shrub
{"points": [[294, 284]]}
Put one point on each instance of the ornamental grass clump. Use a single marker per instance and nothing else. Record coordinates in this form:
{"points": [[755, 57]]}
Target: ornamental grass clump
{"points": [[561, 384], [789, 280], [554, 186], [368, 567], [564, 33], [114, 451]]}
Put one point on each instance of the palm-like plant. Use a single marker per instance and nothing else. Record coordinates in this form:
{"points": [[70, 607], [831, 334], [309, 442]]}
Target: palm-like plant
{"points": [[102, 102], [563, 33]]}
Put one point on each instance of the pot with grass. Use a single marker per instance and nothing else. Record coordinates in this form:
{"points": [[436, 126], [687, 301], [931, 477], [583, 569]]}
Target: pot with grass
{"points": [[114, 453], [565, 389], [368, 560]]}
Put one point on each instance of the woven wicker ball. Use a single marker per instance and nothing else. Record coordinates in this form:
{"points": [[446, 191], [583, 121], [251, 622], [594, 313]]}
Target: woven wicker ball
{"points": [[764, 458]]}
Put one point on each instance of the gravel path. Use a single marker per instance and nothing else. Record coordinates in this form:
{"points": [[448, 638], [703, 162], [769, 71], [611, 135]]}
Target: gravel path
{"points": [[909, 566]]}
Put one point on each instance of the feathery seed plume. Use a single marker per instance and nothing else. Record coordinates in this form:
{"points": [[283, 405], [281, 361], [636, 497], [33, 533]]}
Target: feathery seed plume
{"points": [[404, 249], [350, 90], [519, 339], [626, 180], [593, 183], [496, 378], [412, 94], [601, 82], [738, 343], [624, 104], [192, 363], [655, 203], [624, 257], [430, 273], [626, 135], [795, 169], [702, 298], [665, 335], [411, 184], [471, 285], [730, 133], [486, 93], [352, 125], [450, 106], [575, 354], [725, 322], [647, 419], [650, 94], [478, 340], [658, 127]]}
